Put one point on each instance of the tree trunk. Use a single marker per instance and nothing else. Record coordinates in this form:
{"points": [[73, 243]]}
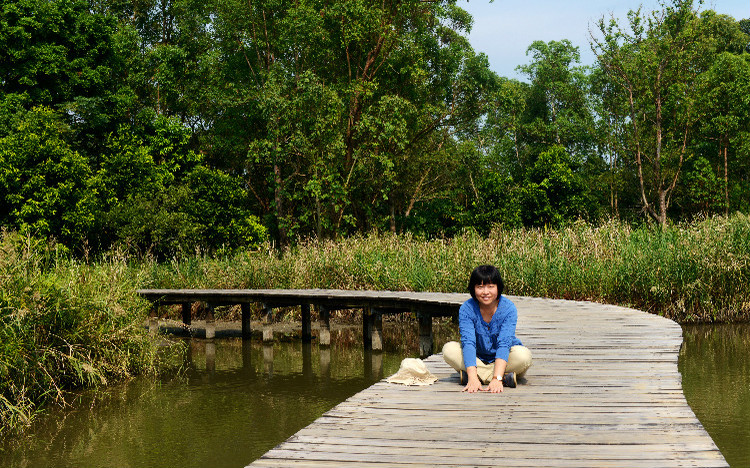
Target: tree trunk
{"points": [[726, 180], [279, 208]]}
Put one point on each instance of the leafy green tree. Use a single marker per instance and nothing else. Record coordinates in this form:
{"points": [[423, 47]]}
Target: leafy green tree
{"points": [[157, 196], [496, 203], [346, 106], [44, 183], [558, 107], [654, 65], [62, 55], [701, 192], [724, 99], [554, 192], [502, 139]]}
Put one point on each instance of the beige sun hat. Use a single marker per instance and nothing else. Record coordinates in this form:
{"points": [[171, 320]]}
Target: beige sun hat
{"points": [[412, 372]]}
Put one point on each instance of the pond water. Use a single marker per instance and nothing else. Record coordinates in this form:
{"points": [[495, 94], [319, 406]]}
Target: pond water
{"points": [[715, 367], [236, 400]]}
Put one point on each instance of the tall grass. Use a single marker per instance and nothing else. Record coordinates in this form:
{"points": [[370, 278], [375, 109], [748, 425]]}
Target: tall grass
{"points": [[68, 324], [690, 272], [64, 325]]}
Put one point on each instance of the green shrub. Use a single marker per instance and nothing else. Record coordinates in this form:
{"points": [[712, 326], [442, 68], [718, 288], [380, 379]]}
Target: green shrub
{"points": [[64, 325]]}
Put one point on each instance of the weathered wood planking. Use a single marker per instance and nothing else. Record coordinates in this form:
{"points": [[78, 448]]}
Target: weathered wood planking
{"points": [[604, 391]]}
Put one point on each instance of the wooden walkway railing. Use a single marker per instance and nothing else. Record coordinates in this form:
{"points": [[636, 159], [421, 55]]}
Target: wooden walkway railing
{"points": [[604, 391]]}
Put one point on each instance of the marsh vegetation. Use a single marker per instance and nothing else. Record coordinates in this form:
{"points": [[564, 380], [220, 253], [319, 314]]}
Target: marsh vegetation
{"points": [[69, 323]]}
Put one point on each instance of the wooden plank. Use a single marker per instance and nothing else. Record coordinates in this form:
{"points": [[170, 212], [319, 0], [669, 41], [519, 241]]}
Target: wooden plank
{"points": [[603, 391]]}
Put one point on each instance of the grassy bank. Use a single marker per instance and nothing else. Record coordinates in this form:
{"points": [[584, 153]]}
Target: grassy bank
{"points": [[67, 324], [64, 325], [691, 272]]}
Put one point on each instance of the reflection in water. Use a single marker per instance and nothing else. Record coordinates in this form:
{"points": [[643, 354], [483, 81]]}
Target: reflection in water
{"points": [[715, 367], [268, 358], [236, 400], [211, 357], [325, 362]]}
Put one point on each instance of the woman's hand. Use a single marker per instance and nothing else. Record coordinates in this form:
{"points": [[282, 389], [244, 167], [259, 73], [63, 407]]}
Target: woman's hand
{"points": [[495, 386], [474, 385]]}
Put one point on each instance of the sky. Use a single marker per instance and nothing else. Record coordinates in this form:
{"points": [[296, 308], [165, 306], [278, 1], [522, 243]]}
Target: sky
{"points": [[504, 29]]}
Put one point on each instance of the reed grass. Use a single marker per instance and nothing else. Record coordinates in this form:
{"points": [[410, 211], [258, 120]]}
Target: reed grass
{"points": [[691, 272], [67, 324], [64, 325]]}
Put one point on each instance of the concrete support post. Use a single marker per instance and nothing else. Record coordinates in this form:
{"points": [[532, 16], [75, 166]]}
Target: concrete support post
{"points": [[306, 324], [187, 313], [372, 329], [425, 334], [247, 331], [268, 324], [325, 326], [377, 331], [367, 327], [153, 319], [210, 323]]}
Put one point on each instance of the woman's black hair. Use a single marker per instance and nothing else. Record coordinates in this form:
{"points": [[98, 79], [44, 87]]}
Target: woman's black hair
{"points": [[485, 274]]}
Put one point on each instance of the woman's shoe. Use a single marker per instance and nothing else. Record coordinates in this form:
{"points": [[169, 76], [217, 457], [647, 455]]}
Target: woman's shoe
{"points": [[463, 377], [509, 380]]}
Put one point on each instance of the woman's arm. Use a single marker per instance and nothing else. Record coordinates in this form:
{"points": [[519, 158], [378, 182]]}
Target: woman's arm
{"points": [[468, 334], [507, 331], [473, 385], [496, 386]]}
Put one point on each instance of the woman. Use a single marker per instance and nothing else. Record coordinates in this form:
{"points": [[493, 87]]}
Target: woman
{"points": [[489, 352]]}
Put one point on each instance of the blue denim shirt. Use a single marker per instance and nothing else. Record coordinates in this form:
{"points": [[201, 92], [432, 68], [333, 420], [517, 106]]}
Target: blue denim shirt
{"points": [[487, 341]]}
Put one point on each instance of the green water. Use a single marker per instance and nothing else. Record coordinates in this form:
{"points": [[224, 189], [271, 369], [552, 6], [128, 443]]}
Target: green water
{"points": [[715, 367], [235, 402]]}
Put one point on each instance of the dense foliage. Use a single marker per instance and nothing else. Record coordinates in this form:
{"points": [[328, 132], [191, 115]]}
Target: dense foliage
{"points": [[174, 126], [64, 325]]}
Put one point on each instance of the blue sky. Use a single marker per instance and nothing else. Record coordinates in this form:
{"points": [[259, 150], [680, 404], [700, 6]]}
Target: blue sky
{"points": [[504, 29]]}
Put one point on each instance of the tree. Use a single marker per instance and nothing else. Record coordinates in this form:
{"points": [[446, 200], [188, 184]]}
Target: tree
{"points": [[558, 108], [554, 192], [62, 55], [346, 106], [701, 188], [157, 195], [724, 91], [502, 140], [45, 184], [654, 68]]}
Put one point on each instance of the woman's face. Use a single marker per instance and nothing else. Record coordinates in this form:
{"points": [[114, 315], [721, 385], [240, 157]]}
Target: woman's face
{"points": [[486, 293]]}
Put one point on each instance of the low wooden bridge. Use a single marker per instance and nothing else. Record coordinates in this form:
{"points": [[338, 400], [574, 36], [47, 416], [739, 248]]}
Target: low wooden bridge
{"points": [[604, 391], [374, 304]]}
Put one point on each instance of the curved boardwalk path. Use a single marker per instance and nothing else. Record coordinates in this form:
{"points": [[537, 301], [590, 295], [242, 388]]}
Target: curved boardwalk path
{"points": [[604, 391]]}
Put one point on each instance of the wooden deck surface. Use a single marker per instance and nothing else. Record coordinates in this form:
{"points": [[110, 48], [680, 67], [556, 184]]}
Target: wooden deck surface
{"points": [[604, 391]]}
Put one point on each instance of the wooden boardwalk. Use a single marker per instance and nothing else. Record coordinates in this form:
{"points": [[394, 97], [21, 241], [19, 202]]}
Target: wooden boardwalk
{"points": [[604, 391]]}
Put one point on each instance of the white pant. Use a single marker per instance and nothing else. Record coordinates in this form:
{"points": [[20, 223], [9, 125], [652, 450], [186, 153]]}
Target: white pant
{"points": [[519, 360]]}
